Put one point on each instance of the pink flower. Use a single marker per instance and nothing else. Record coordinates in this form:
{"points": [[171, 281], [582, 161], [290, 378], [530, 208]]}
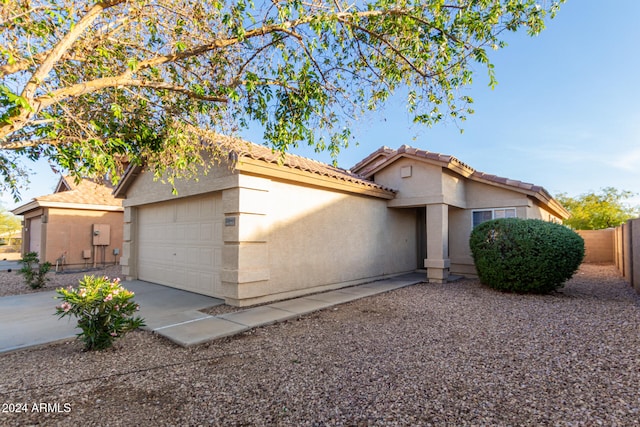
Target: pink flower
{"points": [[116, 308], [109, 297], [113, 334], [65, 306]]}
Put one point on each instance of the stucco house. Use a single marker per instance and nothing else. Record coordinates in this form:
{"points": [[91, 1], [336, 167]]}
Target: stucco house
{"points": [[78, 225], [266, 227]]}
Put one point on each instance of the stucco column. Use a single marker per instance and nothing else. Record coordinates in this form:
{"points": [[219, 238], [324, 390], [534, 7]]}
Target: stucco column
{"points": [[437, 262], [128, 256], [245, 255]]}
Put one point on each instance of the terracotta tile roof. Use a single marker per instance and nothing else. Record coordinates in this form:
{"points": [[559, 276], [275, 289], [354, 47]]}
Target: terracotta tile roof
{"points": [[380, 155], [384, 154], [236, 149], [266, 154], [506, 181], [85, 192]]}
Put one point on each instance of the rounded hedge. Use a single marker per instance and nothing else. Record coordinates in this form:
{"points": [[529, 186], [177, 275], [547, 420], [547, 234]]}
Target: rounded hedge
{"points": [[525, 255]]}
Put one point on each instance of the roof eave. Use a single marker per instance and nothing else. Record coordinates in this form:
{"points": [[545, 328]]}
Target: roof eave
{"points": [[20, 210], [130, 174], [536, 192], [69, 205], [260, 167], [452, 164], [383, 152]]}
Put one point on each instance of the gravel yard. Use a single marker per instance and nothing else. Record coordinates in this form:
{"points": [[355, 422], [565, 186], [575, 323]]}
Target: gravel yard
{"points": [[12, 283], [454, 354]]}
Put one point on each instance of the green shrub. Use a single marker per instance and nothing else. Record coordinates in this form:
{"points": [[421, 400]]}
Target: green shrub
{"points": [[35, 278], [525, 256], [104, 310]]}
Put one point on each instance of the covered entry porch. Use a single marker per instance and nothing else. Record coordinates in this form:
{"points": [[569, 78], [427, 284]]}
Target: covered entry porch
{"points": [[432, 237]]}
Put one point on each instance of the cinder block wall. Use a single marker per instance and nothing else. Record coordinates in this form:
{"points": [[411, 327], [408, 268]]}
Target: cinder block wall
{"points": [[599, 245], [627, 251], [635, 254]]}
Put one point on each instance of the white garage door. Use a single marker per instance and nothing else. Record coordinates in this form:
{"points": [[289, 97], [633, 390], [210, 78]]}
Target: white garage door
{"points": [[180, 244]]}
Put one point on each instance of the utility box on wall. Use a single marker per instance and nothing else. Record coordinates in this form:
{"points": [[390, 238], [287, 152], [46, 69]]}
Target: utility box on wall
{"points": [[101, 234]]}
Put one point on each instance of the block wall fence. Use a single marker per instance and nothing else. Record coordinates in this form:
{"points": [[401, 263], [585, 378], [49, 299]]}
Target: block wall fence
{"points": [[619, 246], [627, 251], [599, 245]]}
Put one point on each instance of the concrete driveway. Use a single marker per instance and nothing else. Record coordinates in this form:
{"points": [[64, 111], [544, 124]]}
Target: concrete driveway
{"points": [[29, 320]]}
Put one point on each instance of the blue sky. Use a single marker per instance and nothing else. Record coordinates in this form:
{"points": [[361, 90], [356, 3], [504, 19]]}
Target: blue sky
{"points": [[565, 113]]}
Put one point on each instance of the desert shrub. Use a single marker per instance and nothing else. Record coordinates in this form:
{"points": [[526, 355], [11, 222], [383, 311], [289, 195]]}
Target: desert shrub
{"points": [[104, 310], [35, 274], [525, 256]]}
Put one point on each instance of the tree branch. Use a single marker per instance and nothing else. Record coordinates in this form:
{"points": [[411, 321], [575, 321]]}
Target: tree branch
{"points": [[174, 88], [65, 43], [125, 78], [24, 64]]}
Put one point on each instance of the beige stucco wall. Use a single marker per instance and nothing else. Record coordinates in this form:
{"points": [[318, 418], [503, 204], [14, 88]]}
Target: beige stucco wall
{"points": [[69, 231], [418, 183], [286, 238], [537, 211], [484, 196], [319, 239], [146, 189]]}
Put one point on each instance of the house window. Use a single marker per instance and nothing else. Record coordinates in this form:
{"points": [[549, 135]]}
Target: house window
{"points": [[486, 215]]}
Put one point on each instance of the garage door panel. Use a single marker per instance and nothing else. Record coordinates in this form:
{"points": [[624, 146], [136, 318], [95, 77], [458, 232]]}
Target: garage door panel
{"points": [[158, 232], [179, 243], [206, 232], [193, 257], [206, 256], [160, 214], [217, 257]]}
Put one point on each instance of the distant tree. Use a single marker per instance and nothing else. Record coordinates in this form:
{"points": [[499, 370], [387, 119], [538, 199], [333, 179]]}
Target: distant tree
{"points": [[594, 211], [85, 84], [9, 224]]}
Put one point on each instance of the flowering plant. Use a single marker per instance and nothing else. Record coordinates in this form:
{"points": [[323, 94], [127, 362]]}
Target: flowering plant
{"points": [[35, 274], [104, 310]]}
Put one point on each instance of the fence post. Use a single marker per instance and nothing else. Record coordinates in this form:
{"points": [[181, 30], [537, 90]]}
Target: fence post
{"points": [[634, 248]]}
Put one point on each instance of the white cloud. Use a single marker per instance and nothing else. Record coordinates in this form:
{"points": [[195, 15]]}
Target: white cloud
{"points": [[628, 161]]}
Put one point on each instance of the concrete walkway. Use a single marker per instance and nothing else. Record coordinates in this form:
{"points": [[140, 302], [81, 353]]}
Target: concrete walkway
{"points": [[6, 265], [28, 320]]}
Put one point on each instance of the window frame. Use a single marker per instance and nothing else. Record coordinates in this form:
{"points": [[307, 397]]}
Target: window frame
{"points": [[493, 214]]}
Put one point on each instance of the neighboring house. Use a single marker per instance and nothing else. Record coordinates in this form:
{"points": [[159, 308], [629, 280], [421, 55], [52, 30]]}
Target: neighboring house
{"points": [[11, 238], [273, 228], [79, 225]]}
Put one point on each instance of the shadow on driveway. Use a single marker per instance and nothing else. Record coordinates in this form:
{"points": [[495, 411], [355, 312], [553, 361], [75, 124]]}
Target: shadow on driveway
{"points": [[29, 320]]}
